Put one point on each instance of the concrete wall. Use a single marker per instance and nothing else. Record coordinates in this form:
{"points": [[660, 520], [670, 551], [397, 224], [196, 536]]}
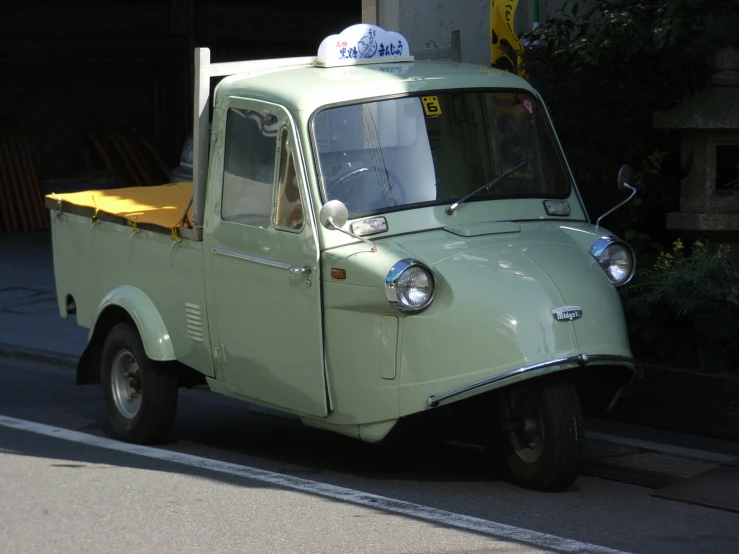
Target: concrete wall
{"points": [[426, 23], [429, 23]]}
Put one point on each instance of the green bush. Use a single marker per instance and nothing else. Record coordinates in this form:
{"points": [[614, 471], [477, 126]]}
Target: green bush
{"points": [[684, 309]]}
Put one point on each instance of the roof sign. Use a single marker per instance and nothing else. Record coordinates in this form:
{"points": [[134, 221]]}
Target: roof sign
{"points": [[363, 44]]}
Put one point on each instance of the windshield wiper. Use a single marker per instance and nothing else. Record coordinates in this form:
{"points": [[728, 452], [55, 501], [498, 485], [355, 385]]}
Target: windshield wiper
{"points": [[450, 209]]}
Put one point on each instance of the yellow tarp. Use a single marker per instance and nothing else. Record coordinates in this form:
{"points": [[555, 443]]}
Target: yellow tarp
{"points": [[161, 205]]}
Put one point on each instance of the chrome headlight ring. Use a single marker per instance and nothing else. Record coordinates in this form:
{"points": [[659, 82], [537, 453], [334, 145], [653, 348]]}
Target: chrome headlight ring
{"points": [[405, 280], [616, 258]]}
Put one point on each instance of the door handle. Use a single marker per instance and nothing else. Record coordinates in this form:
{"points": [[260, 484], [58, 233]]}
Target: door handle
{"points": [[305, 270]]}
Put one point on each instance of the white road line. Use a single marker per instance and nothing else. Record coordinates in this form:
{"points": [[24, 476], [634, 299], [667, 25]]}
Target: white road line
{"points": [[478, 525]]}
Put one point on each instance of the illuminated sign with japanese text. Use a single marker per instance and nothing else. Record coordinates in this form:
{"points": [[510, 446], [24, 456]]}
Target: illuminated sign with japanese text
{"points": [[363, 44]]}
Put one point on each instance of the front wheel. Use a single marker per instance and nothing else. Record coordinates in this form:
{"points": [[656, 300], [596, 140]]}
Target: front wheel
{"points": [[140, 395], [546, 434]]}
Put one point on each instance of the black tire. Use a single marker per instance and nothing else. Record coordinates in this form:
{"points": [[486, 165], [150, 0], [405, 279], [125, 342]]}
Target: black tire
{"points": [[147, 416], [554, 463]]}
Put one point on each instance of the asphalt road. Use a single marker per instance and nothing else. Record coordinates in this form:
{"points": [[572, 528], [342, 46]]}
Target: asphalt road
{"points": [[233, 480]]}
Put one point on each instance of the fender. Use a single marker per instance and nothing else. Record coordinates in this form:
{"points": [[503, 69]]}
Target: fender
{"points": [[152, 330]]}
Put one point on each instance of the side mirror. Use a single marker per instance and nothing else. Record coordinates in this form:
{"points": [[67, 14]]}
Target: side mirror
{"points": [[333, 215], [625, 184], [625, 177]]}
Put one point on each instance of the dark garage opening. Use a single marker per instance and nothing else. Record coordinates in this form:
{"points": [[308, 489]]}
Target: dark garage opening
{"points": [[87, 80]]}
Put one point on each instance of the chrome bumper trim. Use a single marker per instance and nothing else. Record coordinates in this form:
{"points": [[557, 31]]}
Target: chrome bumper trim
{"points": [[581, 360]]}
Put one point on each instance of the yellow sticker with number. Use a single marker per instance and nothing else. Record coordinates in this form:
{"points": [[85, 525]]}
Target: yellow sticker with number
{"points": [[431, 105]]}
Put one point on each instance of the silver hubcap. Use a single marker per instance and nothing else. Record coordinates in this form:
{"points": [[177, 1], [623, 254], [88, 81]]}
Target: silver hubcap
{"points": [[527, 438], [126, 384]]}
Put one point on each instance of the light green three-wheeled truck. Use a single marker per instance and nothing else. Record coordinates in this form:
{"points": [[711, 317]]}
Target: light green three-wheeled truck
{"points": [[379, 245]]}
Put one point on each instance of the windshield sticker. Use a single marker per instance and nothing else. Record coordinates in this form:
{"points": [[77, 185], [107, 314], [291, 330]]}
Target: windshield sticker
{"points": [[431, 105], [527, 104]]}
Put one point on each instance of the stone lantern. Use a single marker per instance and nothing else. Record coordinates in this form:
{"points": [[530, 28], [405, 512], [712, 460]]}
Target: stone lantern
{"points": [[709, 128]]}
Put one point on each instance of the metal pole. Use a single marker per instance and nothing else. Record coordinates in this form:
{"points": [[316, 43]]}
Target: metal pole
{"points": [[201, 137]]}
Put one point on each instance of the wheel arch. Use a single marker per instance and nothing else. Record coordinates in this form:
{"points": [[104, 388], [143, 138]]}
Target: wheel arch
{"points": [[125, 304], [600, 387]]}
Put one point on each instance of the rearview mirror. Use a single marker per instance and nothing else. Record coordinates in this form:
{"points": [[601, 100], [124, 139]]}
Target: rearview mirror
{"points": [[625, 177], [333, 215], [625, 184]]}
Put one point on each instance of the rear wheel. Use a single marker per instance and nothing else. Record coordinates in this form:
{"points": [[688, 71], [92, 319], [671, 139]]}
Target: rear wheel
{"points": [[546, 433], [140, 395]]}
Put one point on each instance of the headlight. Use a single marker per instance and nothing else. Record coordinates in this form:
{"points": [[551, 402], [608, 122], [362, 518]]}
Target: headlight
{"points": [[616, 259], [409, 285]]}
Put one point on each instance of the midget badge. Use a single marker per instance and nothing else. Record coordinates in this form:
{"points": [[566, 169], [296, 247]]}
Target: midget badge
{"points": [[567, 313]]}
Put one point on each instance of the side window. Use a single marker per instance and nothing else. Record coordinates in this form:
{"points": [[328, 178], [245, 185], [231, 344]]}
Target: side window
{"points": [[249, 165], [289, 212]]}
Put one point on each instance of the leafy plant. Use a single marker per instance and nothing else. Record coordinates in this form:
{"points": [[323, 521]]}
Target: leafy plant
{"points": [[685, 308]]}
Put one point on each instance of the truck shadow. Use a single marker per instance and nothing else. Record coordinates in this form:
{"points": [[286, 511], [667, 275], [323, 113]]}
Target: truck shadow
{"points": [[232, 427]]}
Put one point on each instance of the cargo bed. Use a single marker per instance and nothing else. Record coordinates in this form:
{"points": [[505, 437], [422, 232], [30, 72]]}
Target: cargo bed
{"points": [[161, 208]]}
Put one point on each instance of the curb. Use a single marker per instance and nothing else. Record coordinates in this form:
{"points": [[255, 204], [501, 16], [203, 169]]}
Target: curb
{"points": [[36, 355]]}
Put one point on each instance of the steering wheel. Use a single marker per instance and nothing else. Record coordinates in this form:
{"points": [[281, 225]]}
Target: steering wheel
{"points": [[513, 152], [518, 185], [342, 188]]}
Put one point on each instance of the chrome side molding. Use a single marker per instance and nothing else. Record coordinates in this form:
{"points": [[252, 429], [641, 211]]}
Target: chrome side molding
{"points": [[249, 258], [581, 360]]}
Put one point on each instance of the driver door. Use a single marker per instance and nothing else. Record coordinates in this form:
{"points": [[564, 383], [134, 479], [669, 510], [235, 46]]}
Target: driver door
{"points": [[263, 261]]}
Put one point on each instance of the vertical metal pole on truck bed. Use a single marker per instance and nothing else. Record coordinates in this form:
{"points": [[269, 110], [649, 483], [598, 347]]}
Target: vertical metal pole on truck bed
{"points": [[201, 136]]}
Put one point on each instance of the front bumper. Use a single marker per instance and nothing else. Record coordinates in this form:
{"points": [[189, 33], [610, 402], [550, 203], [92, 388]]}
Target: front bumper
{"points": [[579, 360]]}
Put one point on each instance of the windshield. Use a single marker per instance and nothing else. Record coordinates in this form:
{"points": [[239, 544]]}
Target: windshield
{"points": [[427, 150]]}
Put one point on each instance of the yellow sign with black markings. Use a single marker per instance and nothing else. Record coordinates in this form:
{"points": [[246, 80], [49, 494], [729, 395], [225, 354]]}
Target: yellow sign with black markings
{"points": [[431, 105]]}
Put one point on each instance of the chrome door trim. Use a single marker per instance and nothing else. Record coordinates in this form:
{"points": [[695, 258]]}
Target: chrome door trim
{"points": [[581, 360], [249, 258]]}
